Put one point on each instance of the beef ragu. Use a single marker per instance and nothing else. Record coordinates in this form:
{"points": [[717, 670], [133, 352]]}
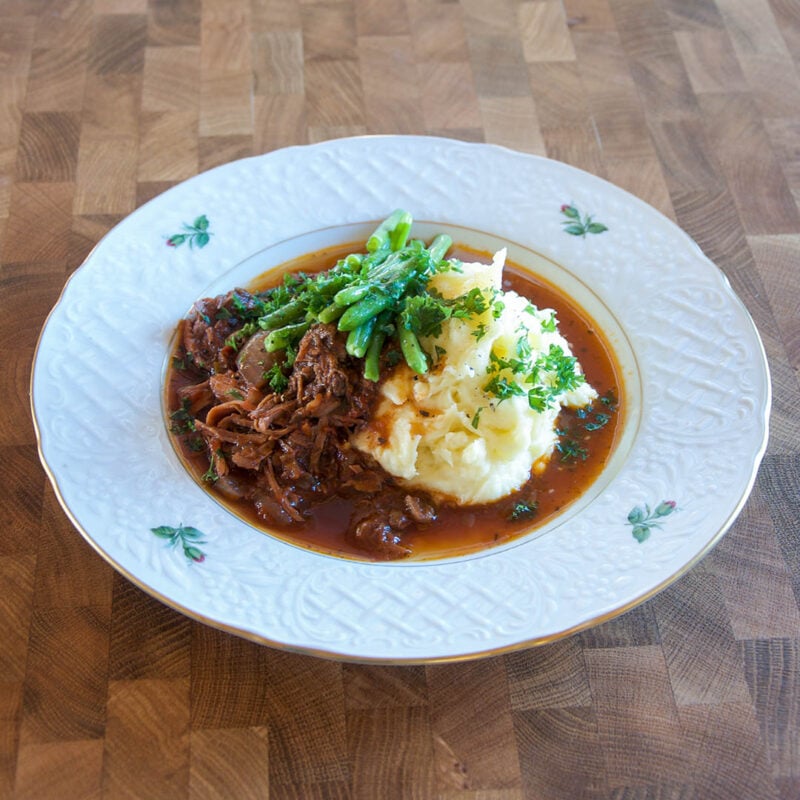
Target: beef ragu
{"points": [[281, 457]]}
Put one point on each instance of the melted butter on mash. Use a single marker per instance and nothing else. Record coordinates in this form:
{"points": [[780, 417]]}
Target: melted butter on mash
{"points": [[472, 428]]}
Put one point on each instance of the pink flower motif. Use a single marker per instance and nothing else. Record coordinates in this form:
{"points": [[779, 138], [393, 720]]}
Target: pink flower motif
{"points": [[665, 507], [195, 235], [576, 224], [644, 520], [186, 536]]}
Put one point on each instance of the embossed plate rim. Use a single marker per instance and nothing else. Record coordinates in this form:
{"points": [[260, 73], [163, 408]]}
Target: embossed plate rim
{"points": [[303, 602]]}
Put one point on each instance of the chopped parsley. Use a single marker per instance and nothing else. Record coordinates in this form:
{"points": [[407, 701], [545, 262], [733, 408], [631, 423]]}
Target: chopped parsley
{"points": [[593, 420], [514, 365], [182, 420], [424, 314], [277, 379], [451, 265], [600, 420], [538, 398], [523, 510], [609, 399], [184, 363], [255, 308], [473, 303], [549, 325], [502, 388], [237, 338], [549, 375], [210, 475], [569, 449], [480, 331]]}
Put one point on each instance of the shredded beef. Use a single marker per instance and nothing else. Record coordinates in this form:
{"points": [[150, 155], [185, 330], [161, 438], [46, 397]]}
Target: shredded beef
{"points": [[208, 326], [420, 510], [379, 521], [286, 452]]}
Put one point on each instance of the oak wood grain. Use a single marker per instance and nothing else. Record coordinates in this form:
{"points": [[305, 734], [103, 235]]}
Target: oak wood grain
{"points": [[106, 692]]}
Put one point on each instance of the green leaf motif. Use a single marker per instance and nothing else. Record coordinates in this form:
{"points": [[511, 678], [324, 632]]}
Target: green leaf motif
{"points": [[643, 519], [164, 532], [577, 224], [641, 532], [196, 234], [636, 515], [191, 534], [187, 537]]}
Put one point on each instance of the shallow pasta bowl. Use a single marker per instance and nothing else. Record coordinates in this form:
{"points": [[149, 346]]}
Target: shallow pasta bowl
{"points": [[696, 385]]}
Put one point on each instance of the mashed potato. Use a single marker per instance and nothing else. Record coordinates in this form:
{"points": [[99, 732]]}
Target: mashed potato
{"points": [[451, 432]]}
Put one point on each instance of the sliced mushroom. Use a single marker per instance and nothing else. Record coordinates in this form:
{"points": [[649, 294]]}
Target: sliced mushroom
{"points": [[254, 361]]}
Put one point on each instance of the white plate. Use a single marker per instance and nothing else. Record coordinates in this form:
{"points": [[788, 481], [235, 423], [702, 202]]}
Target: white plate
{"points": [[697, 393]]}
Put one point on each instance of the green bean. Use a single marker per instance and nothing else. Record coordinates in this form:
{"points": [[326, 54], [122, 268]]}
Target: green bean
{"points": [[396, 272], [331, 313], [383, 328], [360, 312], [380, 237], [362, 294], [353, 260], [351, 294], [281, 337], [372, 367], [331, 284], [412, 350], [358, 338], [373, 259], [392, 275], [388, 270], [399, 235], [283, 315], [439, 246]]}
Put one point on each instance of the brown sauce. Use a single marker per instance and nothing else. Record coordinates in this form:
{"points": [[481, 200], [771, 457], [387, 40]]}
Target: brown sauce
{"points": [[588, 440]]}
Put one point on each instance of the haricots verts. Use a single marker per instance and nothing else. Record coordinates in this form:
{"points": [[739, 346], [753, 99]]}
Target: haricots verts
{"points": [[364, 294]]}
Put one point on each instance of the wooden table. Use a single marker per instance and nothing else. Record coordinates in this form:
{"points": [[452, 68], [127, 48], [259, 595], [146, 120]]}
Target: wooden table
{"points": [[693, 105]]}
